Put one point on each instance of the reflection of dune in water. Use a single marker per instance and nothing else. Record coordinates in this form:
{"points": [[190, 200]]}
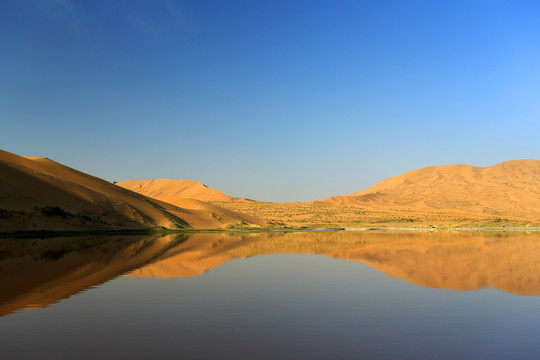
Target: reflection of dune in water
{"points": [[444, 260], [39, 272]]}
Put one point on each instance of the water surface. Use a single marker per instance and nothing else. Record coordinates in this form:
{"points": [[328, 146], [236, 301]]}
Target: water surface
{"points": [[272, 295]]}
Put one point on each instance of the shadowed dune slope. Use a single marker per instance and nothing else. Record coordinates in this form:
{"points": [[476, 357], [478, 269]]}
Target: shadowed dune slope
{"points": [[204, 215], [40, 194], [511, 188], [173, 189]]}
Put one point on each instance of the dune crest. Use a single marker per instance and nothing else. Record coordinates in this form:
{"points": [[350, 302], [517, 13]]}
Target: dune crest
{"points": [[171, 189]]}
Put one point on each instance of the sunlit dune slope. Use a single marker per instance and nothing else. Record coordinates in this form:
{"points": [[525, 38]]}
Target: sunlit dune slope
{"points": [[40, 194], [173, 189], [511, 188], [192, 196]]}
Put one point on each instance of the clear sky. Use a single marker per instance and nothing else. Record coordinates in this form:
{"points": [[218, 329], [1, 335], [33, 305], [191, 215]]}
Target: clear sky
{"points": [[271, 100]]}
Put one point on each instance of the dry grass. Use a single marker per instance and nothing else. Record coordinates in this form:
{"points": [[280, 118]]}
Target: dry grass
{"points": [[319, 214]]}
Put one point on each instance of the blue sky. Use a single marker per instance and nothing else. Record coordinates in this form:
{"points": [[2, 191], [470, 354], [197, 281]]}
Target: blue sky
{"points": [[271, 100]]}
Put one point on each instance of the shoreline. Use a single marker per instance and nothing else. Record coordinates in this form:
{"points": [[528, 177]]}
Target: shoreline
{"points": [[53, 233], [446, 228]]}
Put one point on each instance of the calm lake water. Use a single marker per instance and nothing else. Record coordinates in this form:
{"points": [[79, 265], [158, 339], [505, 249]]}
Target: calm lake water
{"points": [[332, 295]]}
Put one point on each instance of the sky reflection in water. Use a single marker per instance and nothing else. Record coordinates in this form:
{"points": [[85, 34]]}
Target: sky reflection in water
{"points": [[296, 295]]}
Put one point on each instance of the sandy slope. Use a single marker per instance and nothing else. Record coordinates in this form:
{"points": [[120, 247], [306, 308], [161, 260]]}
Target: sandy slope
{"points": [[40, 194], [201, 214], [508, 189], [172, 189], [192, 196]]}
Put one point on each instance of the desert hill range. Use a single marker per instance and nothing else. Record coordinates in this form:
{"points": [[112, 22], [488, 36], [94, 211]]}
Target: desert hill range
{"points": [[38, 194]]}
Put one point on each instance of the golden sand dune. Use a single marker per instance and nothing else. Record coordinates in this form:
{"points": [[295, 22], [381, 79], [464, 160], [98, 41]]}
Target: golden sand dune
{"points": [[40, 194], [193, 196], [174, 189], [508, 189]]}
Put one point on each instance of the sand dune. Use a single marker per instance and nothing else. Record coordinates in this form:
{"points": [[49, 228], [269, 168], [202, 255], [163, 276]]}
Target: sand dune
{"points": [[193, 196], [175, 189], [508, 189], [40, 194], [203, 215]]}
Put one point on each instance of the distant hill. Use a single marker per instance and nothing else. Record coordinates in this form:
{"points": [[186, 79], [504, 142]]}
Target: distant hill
{"points": [[508, 189], [41, 194], [173, 189]]}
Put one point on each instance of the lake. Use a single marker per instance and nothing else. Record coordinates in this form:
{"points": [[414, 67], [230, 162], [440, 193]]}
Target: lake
{"points": [[316, 295]]}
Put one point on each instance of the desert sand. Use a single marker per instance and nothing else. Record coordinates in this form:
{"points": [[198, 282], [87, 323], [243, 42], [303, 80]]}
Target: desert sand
{"points": [[40, 194]]}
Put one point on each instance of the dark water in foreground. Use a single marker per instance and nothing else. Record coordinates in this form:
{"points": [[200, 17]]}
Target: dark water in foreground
{"points": [[340, 295]]}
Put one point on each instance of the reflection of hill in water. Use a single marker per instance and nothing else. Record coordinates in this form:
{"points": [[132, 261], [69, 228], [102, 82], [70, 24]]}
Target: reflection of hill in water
{"points": [[455, 261], [38, 272]]}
